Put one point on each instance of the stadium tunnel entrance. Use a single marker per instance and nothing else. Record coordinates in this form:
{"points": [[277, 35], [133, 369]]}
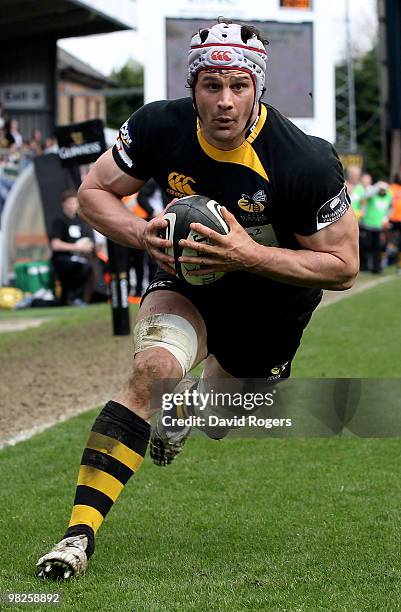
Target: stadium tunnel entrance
{"points": [[23, 234]]}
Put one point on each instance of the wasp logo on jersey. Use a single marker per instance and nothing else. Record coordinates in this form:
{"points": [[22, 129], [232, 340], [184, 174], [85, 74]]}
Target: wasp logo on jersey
{"points": [[277, 371], [253, 204], [180, 185]]}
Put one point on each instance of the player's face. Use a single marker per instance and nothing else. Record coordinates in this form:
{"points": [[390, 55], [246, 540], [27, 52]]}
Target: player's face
{"points": [[225, 101]]}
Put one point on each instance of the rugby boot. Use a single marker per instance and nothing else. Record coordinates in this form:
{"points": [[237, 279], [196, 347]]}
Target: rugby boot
{"points": [[66, 559], [167, 442]]}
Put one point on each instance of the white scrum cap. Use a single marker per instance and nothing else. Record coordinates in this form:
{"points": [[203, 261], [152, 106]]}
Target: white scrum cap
{"points": [[222, 46]]}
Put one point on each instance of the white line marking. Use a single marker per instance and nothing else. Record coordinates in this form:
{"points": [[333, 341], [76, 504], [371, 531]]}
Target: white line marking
{"points": [[22, 436], [329, 298], [21, 324]]}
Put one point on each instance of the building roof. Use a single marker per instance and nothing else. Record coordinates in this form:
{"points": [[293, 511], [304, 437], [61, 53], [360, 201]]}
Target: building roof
{"points": [[74, 69], [64, 18]]}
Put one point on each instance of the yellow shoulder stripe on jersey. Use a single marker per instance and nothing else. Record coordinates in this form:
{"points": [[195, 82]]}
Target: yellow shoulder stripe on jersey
{"points": [[244, 155]]}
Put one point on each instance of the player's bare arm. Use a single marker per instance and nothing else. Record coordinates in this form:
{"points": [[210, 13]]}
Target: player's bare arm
{"points": [[100, 205], [329, 258]]}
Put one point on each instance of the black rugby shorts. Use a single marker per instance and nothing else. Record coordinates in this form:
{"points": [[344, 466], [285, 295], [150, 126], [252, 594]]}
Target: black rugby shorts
{"points": [[254, 325]]}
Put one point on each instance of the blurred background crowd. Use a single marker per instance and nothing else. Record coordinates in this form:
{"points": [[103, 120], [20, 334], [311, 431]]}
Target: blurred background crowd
{"points": [[17, 151], [378, 210]]}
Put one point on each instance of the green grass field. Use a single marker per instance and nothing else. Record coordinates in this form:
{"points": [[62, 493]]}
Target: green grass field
{"points": [[357, 337], [241, 524]]}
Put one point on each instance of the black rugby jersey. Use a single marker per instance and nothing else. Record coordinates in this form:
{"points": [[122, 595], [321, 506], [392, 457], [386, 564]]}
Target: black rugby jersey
{"points": [[278, 183]]}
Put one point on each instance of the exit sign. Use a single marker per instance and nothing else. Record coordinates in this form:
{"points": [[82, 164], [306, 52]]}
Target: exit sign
{"points": [[24, 96]]}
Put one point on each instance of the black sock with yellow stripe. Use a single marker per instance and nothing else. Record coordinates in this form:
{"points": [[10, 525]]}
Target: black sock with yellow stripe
{"points": [[114, 451]]}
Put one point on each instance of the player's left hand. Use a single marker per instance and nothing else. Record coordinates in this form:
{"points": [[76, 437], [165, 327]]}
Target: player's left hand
{"points": [[224, 253]]}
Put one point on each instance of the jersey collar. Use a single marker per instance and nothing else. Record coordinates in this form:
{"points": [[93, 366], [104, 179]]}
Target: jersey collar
{"points": [[244, 154]]}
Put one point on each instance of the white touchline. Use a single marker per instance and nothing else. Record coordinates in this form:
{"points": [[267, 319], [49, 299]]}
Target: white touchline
{"points": [[331, 297], [26, 434]]}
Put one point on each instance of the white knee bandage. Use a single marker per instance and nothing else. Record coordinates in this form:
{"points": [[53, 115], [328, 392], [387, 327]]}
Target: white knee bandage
{"points": [[170, 332]]}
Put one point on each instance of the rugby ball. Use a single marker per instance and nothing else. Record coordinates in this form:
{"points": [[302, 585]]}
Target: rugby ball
{"points": [[192, 209]]}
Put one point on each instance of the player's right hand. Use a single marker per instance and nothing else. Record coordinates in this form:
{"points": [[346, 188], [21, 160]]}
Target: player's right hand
{"points": [[156, 246]]}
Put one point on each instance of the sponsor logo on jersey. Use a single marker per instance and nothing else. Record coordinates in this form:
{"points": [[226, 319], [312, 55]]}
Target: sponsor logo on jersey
{"points": [[263, 234], [121, 151], [254, 204], [124, 134], [160, 284], [257, 218], [180, 185], [277, 371], [333, 209], [221, 56]]}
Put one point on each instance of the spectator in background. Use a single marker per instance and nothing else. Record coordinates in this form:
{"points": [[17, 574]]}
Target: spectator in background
{"points": [[366, 182], [72, 243], [355, 188], [3, 139], [395, 219], [15, 155], [35, 143], [50, 145], [374, 219], [8, 164], [36, 140], [10, 143], [13, 134]]}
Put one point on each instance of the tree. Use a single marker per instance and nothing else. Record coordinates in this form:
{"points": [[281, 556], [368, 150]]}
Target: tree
{"points": [[119, 108], [368, 113]]}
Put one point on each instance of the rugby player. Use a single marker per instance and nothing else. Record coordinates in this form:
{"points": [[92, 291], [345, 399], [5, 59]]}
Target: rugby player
{"points": [[292, 234]]}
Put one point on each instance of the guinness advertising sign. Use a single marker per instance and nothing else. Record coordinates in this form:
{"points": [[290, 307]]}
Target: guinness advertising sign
{"points": [[80, 143]]}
